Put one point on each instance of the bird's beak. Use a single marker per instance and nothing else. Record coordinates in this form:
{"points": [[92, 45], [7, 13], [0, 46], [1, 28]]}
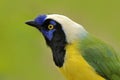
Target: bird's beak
{"points": [[31, 23]]}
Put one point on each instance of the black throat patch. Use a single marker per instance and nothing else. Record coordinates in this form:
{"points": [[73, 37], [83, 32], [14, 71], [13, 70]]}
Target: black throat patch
{"points": [[57, 45]]}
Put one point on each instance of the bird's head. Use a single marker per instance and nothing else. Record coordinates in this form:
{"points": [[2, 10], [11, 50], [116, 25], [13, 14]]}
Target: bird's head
{"points": [[58, 31], [55, 27]]}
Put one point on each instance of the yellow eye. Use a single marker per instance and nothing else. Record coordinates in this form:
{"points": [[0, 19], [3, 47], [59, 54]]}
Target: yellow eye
{"points": [[50, 27]]}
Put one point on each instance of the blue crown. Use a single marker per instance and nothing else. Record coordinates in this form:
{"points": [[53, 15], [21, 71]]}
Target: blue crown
{"points": [[40, 19]]}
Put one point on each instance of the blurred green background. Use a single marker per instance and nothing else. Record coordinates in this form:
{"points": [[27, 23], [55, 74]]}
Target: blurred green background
{"points": [[23, 52]]}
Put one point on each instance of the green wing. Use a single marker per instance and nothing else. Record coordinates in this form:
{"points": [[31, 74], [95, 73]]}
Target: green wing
{"points": [[101, 57]]}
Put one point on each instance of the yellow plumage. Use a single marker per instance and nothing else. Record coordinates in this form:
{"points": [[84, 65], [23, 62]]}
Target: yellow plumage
{"points": [[75, 67], [94, 61]]}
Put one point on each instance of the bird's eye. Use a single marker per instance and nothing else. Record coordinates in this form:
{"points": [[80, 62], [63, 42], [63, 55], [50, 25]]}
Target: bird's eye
{"points": [[50, 26]]}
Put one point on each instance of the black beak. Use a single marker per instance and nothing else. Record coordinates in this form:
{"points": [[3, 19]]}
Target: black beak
{"points": [[31, 23]]}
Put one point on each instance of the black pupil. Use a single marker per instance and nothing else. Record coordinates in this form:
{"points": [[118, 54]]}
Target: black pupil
{"points": [[50, 26]]}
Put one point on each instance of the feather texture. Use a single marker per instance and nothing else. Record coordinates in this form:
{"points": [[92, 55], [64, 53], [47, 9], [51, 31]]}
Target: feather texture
{"points": [[101, 57], [76, 67]]}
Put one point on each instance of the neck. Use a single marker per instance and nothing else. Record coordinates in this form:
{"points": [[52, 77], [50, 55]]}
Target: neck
{"points": [[57, 45], [58, 50]]}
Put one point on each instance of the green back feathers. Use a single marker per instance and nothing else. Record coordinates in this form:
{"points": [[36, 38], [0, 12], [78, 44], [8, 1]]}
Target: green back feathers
{"points": [[101, 57]]}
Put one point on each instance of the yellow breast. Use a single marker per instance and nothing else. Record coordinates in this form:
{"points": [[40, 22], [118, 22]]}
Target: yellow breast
{"points": [[76, 68]]}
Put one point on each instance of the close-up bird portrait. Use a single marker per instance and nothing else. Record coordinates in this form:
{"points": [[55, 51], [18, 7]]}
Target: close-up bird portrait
{"points": [[60, 40], [77, 54]]}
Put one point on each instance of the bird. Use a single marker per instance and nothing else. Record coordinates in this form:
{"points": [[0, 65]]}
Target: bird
{"points": [[77, 53]]}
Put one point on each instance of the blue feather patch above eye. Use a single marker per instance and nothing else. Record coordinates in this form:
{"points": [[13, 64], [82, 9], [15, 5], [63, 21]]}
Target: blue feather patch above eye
{"points": [[53, 22], [40, 19]]}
